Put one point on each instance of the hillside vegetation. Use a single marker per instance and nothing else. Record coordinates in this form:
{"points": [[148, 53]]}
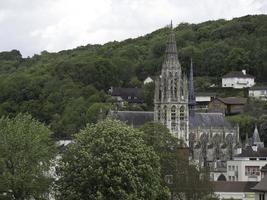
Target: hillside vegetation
{"points": [[68, 89]]}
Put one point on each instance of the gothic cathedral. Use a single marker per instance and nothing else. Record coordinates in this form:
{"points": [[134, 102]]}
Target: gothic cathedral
{"points": [[171, 94]]}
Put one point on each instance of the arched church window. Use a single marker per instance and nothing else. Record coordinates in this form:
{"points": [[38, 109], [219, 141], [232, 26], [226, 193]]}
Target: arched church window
{"points": [[165, 115], [173, 126], [172, 93], [173, 113], [165, 88], [182, 114], [159, 113], [175, 87]]}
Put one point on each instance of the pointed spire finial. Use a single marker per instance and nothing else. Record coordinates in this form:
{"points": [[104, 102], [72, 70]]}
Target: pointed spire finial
{"points": [[192, 98], [171, 24]]}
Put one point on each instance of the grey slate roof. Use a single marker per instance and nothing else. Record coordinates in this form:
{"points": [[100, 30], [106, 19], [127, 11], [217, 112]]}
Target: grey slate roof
{"points": [[264, 168], [206, 120], [134, 118], [235, 186], [248, 152], [233, 100], [199, 120], [117, 91], [237, 74], [262, 185]]}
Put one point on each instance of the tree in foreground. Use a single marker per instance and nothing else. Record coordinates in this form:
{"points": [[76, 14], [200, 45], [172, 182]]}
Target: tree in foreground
{"points": [[183, 179], [109, 161], [26, 152]]}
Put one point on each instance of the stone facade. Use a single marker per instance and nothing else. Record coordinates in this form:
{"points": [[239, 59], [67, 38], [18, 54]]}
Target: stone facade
{"points": [[209, 136], [171, 94]]}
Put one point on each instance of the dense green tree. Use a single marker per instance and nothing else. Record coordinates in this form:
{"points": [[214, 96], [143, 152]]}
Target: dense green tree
{"points": [[246, 124], [109, 160], [26, 152]]}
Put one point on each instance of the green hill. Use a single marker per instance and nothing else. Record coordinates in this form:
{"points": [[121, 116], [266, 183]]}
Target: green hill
{"points": [[67, 89]]}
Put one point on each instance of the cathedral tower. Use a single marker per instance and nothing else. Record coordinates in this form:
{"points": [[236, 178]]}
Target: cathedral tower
{"points": [[171, 94]]}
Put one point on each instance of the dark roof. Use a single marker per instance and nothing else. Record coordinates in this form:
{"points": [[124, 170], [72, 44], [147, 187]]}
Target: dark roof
{"points": [[248, 152], [235, 186], [237, 74], [206, 120], [258, 88], [264, 168], [262, 185], [117, 91], [233, 100], [206, 94], [134, 118], [199, 120]]}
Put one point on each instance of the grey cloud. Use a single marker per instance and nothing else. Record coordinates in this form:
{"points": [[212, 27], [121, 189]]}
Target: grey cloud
{"points": [[35, 25]]}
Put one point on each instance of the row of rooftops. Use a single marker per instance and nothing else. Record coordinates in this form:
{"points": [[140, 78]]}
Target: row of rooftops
{"points": [[238, 74]]}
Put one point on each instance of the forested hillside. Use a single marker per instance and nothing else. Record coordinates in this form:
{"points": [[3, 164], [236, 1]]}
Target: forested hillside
{"points": [[67, 89]]}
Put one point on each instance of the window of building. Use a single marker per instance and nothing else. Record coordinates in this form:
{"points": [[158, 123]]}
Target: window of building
{"points": [[182, 114], [165, 115], [252, 170], [262, 196], [173, 113], [173, 126], [159, 113]]}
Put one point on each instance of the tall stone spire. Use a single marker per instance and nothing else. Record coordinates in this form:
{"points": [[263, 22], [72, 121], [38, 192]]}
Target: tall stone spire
{"points": [[171, 93], [191, 96], [256, 141], [171, 56]]}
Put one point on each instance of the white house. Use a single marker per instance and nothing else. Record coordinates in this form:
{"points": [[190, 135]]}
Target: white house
{"points": [[238, 80], [258, 93], [203, 99]]}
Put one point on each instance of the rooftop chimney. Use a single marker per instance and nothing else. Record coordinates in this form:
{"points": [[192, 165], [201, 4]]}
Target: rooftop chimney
{"points": [[244, 71]]}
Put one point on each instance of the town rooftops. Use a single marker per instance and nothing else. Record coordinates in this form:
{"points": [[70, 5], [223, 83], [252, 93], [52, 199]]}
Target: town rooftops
{"points": [[233, 186], [124, 92], [233, 100], [237, 74], [199, 120], [264, 168], [248, 152], [133, 118], [208, 120], [262, 185]]}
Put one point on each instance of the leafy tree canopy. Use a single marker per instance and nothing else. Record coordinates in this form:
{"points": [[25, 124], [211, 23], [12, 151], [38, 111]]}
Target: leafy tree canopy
{"points": [[26, 151], [109, 160]]}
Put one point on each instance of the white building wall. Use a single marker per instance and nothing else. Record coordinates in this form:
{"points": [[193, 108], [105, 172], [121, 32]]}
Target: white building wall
{"points": [[203, 98], [259, 94], [236, 170], [238, 83], [257, 195]]}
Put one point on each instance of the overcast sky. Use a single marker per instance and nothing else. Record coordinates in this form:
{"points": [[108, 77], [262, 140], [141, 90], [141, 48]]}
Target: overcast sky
{"points": [[32, 26]]}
